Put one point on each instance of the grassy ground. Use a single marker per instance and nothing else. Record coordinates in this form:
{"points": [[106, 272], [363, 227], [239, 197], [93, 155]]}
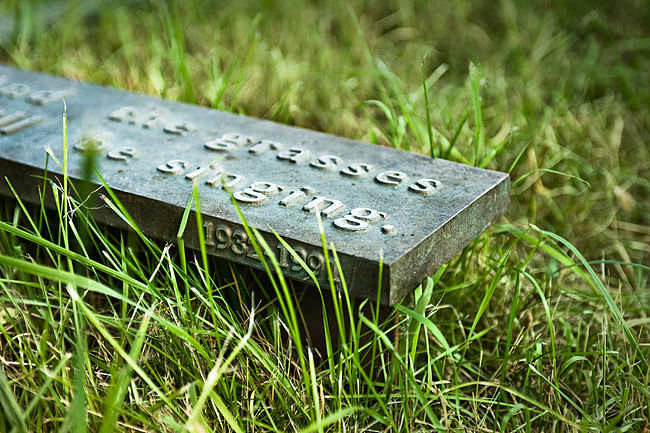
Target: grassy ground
{"points": [[541, 324]]}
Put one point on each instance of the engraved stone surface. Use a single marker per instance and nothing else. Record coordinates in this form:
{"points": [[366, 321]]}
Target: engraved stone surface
{"points": [[379, 206]]}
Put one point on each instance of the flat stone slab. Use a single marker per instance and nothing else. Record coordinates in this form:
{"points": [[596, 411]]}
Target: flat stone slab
{"points": [[379, 206]]}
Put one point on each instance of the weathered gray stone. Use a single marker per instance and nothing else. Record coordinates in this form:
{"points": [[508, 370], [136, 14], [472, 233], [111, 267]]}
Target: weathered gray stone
{"points": [[378, 205]]}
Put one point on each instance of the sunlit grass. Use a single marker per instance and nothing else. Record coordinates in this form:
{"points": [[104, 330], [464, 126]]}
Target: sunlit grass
{"points": [[540, 324]]}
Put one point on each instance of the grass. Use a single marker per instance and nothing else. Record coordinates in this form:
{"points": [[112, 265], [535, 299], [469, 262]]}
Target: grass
{"points": [[540, 324]]}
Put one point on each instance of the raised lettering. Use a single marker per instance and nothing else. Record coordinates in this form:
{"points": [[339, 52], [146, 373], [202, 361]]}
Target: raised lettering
{"points": [[98, 143], [425, 186], [215, 180], [223, 237], [326, 162], [129, 115], [326, 206], [265, 145], [230, 141], [150, 119], [294, 154], [219, 145], [252, 254], [226, 180], [302, 253], [283, 259], [392, 178], [239, 242], [388, 229], [293, 197], [12, 118], [196, 173], [15, 90], [174, 166], [250, 196], [232, 180], [179, 128], [357, 169], [357, 220], [122, 154], [267, 188], [22, 124], [239, 139], [43, 97], [123, 114], [315, 261], [209, 234], [257, 193]]}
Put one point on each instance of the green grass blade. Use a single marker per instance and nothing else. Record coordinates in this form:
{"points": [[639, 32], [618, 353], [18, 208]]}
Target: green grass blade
{"points": [[479, 134], [120, 382], [607, 297], [12, 411]]}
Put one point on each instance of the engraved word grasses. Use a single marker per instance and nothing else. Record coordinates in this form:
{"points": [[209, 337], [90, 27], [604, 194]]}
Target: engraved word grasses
{"points": [[260, 192]]}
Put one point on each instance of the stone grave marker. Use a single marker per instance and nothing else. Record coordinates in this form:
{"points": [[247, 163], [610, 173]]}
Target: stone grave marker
{"points": [[379, 206]]}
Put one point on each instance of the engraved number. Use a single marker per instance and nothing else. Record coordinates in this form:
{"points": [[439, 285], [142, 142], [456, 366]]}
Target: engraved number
{"points": [[237, 241], [283, 259], [223, 237], [296, 267], [209, 234], [240, 242], [315, 262]]}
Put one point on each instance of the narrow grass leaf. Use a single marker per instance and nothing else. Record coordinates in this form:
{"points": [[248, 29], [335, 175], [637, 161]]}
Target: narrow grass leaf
{"points": [[479, 137], [337, 417], [488, 294], [607, 297], [120, 382], [10, 406]]}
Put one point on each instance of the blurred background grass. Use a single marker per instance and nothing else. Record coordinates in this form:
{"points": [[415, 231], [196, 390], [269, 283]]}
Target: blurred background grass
{"points": [[554, 92]]}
